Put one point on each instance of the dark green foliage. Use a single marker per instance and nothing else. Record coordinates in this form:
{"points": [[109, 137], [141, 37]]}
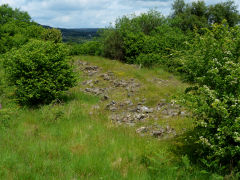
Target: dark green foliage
{"points": [[112, 44], [225, 10], [148, 60], [190, 16], [8, 14], [52, 34], [141, 35], [16, 28], [79, 35], [213, 62], [199, 15], [39, 71], [87, 48]]}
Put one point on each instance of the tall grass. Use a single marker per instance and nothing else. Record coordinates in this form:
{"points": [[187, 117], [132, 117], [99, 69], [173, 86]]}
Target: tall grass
{"points": [[70, 140]]}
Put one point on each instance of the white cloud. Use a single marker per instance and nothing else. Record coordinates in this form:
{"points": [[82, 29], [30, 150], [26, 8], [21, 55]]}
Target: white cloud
{"points": [[88, 13]]}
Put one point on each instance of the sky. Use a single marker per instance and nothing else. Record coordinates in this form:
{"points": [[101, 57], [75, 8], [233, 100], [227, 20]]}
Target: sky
{"points": [[89, 13]]}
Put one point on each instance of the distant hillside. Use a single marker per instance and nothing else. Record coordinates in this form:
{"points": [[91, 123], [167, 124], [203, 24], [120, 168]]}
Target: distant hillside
{"points": [[77, 35]]}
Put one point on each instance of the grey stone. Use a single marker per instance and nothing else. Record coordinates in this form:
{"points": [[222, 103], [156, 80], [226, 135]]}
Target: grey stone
{"points": [[141, 130], [87, 82], [157, 133], [145, 109], [113, 108], [104, 98]]}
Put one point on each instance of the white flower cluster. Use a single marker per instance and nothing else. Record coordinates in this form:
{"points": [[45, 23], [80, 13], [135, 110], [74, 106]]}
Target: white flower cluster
{"points": [[204, 141]]}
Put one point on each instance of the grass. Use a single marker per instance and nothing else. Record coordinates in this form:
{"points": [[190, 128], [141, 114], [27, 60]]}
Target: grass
{"points": [[70, 140]]}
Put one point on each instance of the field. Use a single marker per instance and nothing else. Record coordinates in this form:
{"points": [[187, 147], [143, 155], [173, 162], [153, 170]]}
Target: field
{"points": [[76, 139]]}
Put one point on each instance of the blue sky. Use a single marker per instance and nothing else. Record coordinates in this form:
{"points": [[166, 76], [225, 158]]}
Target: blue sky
{"points": [[89, 13]]}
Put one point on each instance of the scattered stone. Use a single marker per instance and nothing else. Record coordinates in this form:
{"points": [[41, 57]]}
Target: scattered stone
{"points": [[91, 70], [157, 133], [107, 76], [142, 130], [81, 63], [113, 108], [128, 117], [96, 82], [144, 109], [88, 82], [128, 103], [104, 98], [96, 91], [126, 112]]}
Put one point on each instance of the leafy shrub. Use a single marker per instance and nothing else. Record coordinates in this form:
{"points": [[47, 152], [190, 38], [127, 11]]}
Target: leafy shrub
{"points": [[74, 48], [133, 45], [53, 34], [40, 72], [213, 61], [90, 48], [148, 60], [87, 48], [112, 44], [125, 41]]}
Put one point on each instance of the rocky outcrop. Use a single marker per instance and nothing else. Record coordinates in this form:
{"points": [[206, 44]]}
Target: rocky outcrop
{"points": [[129, 111]]}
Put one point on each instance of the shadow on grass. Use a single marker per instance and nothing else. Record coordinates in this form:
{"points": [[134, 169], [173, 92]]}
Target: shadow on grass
{"points": [[179, 161]]}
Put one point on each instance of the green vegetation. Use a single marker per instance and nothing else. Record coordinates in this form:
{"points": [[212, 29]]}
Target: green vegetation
{"points": [[213, 62], [39, 71], [71, 139], [201, 43], [78, 36], [66, 137], [54, 35]]}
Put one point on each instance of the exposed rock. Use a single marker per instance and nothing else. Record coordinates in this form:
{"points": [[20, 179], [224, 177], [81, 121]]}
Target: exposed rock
{"points": [[81, 63], [112, 106], [88, 82], [120, 83], [104, 98], [91, 70], [128, 117], [108, 76], [96, 91], [144, 109], [126, 112], [157, 133], [142, 130], [96, 81]]}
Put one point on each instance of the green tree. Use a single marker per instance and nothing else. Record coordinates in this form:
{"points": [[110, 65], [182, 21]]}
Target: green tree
{"points": [[226, 10], [7, 14], [16, 28], [188, 16]]}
